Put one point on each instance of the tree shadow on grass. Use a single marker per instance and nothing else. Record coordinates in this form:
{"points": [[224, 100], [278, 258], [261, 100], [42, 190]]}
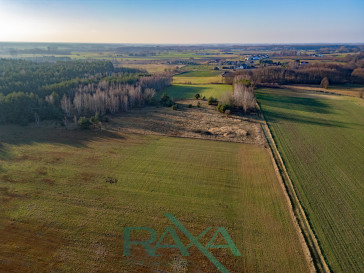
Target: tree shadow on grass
{"points": [[273, 116], [275, 108], [305, 104], [19, 135]]}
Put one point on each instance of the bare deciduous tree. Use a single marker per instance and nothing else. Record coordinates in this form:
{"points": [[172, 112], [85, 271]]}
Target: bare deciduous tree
{"points": [[77, 102], [149, 94], [49, 99], [36, 119], [325, 83], [66, 105], [244, 94], [227, 98], [112, 97]]}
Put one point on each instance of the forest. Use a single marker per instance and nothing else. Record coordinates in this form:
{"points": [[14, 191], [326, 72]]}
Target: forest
{"points": [[32, 91]]}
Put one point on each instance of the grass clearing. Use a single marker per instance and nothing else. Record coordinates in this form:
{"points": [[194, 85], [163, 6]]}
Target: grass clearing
{"points": [[58, 213], [321, 140], [151, 68], [198, 80], [198, 77], [178, 91], [207, 73]]}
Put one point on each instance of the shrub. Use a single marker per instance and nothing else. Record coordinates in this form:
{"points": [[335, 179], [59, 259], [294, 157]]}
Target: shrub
{"points": [[111, 180], [95, 119], [175, 106], [197, 96], [212, 101], [84, 122], [166, 100], [198, 104], [189, 106], [222, 107]]}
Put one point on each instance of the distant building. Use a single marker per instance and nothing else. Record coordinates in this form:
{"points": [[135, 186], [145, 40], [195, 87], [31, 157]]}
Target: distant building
{"points": [[256, 57], [242, 66]]}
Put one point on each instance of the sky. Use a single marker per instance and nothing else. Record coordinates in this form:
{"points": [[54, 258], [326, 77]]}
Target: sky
{"points": [[182, 21]]}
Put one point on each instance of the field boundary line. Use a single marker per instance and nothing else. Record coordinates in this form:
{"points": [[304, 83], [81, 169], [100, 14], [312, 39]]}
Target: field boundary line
{"points": [[309, 242]]}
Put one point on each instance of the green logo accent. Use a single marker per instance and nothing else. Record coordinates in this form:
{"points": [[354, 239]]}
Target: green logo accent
{"points": [[178, 244]]}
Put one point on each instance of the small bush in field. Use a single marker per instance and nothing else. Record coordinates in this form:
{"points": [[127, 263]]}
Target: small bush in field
{"points": [[166, 101], [222, 107], [212, 101]]}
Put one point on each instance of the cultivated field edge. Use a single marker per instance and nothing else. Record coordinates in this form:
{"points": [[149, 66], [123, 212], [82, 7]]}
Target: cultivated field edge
{"points": [[314, 254]]}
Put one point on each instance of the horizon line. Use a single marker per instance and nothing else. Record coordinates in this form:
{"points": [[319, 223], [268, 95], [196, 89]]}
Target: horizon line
{"points": [[208, 43]]}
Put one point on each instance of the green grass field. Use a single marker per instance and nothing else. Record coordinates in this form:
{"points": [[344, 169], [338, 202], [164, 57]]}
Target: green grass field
{"points": [[321, 140], [58, 213], [177, 91], [207, 73], [198, 77]]}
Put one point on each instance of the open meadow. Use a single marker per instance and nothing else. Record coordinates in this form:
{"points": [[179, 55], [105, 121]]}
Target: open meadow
{"points": [[321, 140], [178, 91], [198, 77], [59, 213]]}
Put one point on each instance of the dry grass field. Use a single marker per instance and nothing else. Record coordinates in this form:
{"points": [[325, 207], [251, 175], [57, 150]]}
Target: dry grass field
{"points": [[58, 213], [202, 122]]}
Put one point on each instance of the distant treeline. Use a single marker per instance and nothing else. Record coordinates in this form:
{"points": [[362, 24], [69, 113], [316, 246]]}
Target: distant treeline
{"points": [[27, 76], [294, 73], [39, 91]]}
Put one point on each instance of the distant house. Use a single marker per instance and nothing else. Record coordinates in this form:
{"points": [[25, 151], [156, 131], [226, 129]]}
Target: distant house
{"points": [[256, 57], [242, 66]]}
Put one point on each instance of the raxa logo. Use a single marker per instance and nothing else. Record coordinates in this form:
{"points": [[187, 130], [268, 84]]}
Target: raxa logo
{"points": [[194, 241]]}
